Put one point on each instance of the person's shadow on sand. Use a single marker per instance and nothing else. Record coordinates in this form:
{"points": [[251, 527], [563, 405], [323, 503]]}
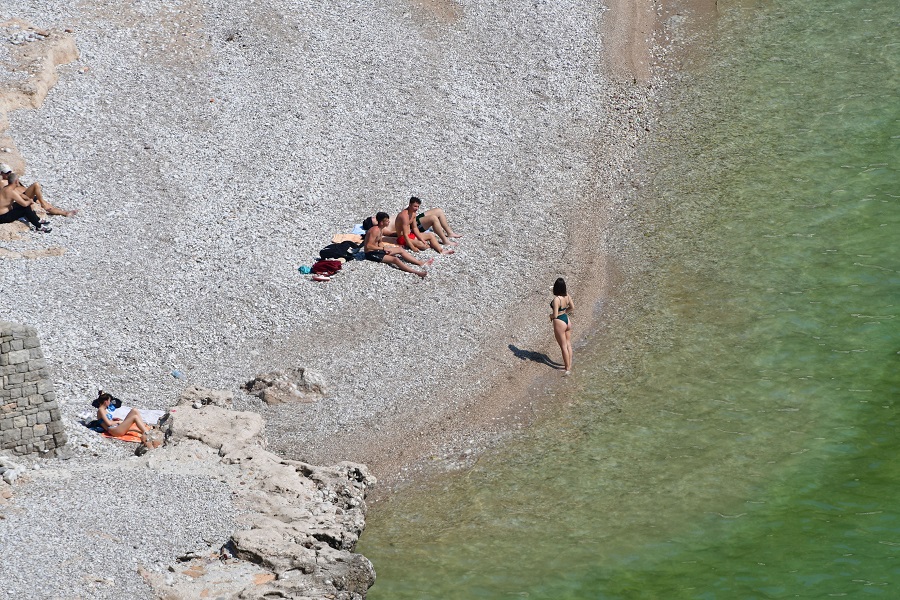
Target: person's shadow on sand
{"points": [[538, 357]]}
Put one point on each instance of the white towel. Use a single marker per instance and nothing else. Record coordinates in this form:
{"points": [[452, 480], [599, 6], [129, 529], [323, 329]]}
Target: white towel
{"points": [[151, 417]]}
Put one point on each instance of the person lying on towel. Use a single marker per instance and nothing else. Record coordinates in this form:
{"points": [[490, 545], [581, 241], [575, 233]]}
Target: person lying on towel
{"points": [[117, 427]]}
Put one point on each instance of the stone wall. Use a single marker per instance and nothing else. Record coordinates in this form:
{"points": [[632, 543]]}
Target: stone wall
{"points": [[29, 415]]}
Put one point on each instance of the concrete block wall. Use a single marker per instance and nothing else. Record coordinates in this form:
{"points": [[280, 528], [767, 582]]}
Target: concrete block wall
{"points": [[29, 415]]}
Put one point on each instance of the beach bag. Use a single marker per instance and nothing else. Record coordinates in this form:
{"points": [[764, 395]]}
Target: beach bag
{"points": [[343, 250]]}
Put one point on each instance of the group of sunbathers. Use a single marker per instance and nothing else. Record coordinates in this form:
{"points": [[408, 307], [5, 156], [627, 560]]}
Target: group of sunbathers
{"points": [[411, 233], [18, 201]]}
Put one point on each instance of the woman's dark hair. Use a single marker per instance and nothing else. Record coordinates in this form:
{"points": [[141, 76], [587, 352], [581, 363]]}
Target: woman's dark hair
{"points": [[101, 398], [559, 288]]}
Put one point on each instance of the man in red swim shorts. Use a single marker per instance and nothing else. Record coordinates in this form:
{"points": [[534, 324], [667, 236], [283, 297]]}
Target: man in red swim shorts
{"points": [[401, 240], [408, 233]]}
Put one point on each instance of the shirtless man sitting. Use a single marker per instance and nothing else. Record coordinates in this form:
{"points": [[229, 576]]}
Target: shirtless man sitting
{"points": [[33, 192], [409, 234], [377, 252], [436, 220], [14, 206]]}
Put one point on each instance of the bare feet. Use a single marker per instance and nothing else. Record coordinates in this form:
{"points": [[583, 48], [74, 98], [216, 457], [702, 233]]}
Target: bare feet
{"points": [[448, 251], [71, 213], [452, 244], [428, 263], [455, 235], [421, 274]]}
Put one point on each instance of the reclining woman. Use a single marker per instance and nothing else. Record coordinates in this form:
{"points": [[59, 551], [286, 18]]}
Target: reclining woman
{"points": [[117, 427]]}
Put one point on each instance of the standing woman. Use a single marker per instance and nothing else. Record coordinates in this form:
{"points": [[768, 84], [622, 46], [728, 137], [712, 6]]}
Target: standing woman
{"points": [[560, 309]]}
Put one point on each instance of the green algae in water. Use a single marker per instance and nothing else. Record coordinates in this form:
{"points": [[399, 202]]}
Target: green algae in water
{"points": [[736, 438]]}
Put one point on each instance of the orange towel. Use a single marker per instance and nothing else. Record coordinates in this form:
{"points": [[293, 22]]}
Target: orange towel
{"points": [[357, 239], [346, 237], [132, 435]]}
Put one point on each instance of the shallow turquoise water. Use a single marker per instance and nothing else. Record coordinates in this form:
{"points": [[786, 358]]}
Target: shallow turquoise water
{"points": [[736, 438]]}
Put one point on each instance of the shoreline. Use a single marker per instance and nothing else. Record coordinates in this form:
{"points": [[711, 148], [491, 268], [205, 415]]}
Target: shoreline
{"points": [[519, 395]]}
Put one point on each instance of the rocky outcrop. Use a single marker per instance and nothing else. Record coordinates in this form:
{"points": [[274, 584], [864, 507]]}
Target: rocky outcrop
{"points": [[301, 524], [282, 387], [26, 79], [11, 231], [219, 428], [197, 397]]}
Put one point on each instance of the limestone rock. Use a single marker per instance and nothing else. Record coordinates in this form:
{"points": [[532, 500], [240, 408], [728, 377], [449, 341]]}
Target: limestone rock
{"points": [[10, 471], [295, 385], [222, 429], [37, 55], [197, 397]]}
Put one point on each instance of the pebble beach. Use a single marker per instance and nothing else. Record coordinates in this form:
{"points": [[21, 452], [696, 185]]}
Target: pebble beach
{"points": [[212, 148]]}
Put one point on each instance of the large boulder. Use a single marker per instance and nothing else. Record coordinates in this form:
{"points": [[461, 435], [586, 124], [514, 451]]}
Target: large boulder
{"points": [[219, 428], [282, 387], [198, 396]]}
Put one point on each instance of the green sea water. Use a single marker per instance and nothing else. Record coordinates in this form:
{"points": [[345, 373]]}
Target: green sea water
{"points": [[736, 436]]}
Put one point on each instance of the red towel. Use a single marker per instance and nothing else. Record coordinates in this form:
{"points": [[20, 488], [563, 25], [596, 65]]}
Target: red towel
{"points": [[326, 267]]}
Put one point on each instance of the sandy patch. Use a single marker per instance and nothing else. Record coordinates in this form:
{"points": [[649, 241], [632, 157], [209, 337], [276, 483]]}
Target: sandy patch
{"points": [[31, 254], [444, 11], [12, 231]]}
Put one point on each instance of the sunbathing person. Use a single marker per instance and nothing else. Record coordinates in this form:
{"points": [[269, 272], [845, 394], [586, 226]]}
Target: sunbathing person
{"points": [[33, 192], [14, 206], [117, 427], [377, 252], [409, 234], [436, 220], [388, 231]]}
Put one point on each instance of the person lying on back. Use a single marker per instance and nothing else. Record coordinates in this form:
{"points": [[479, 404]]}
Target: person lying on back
{"points": [[376, 251], [388, 231], [389, 236], [436, 220]]}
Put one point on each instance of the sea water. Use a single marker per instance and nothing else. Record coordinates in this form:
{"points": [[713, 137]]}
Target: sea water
{"points": [[736, 436]]}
